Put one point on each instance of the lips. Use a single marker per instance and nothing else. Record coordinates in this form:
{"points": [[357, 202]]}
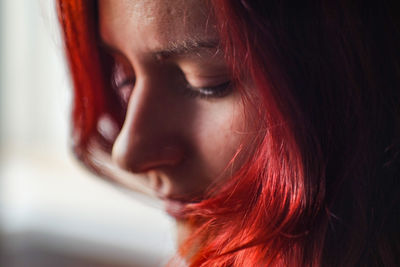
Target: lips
{"points": [[175, 208], [176, 205]]}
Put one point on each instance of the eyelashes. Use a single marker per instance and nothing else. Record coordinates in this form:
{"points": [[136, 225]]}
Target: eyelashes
{"points": [[123, 82], [125, 88], [122, 78], [217, 91]]}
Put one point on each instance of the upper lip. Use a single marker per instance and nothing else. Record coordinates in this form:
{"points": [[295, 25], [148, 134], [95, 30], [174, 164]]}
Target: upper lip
{"points": [[175, 199]]}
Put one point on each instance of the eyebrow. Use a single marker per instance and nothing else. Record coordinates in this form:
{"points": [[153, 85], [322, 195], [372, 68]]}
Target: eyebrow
{"points": [[173, 48], [186, 47]]}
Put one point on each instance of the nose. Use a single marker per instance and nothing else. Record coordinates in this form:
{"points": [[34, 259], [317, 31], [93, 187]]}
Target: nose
{"points": [[149, 139]]}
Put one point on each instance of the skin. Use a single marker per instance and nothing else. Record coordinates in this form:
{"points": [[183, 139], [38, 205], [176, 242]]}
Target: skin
{"points": [[174, 139]]}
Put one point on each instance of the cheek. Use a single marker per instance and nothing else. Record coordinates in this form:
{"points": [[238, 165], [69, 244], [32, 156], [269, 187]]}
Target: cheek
{"points": [[219, 134]]}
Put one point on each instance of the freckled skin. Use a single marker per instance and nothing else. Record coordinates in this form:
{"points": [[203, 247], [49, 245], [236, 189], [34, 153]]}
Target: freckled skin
{"points": [[178, 145]]}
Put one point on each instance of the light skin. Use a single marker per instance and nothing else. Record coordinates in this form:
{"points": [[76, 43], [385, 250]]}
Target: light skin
{"points": [[184, 121]]}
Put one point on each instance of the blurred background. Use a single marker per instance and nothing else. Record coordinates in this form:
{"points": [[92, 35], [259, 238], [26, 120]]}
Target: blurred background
{"points": [[53, 212]]}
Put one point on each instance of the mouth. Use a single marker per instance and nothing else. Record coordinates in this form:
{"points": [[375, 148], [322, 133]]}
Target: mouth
{"points": [[177, 205], [175, 208]]}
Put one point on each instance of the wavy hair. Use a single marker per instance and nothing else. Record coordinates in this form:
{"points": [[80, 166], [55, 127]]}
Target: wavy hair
{"points": [[322, 187]]}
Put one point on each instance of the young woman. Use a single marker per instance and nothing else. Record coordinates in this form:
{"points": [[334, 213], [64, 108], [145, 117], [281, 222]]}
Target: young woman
{"points": [[270, 129]]}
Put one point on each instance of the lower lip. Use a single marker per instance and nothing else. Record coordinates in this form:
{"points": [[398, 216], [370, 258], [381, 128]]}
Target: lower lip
{"points": [[175, 209]]}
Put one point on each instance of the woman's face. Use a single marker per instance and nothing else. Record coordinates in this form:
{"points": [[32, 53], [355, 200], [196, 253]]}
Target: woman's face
{"points": [[184, 121]]}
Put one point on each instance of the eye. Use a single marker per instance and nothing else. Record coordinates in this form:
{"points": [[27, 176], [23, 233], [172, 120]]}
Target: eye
{"points": [[206, 78], [217, 91], [122, 79], [124, 89]]}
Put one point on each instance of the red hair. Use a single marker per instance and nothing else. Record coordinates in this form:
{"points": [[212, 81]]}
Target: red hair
{"points": [[322, 188]]}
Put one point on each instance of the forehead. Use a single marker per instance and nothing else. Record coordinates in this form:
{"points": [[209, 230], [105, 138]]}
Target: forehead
{"points": [[155, 23]]}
